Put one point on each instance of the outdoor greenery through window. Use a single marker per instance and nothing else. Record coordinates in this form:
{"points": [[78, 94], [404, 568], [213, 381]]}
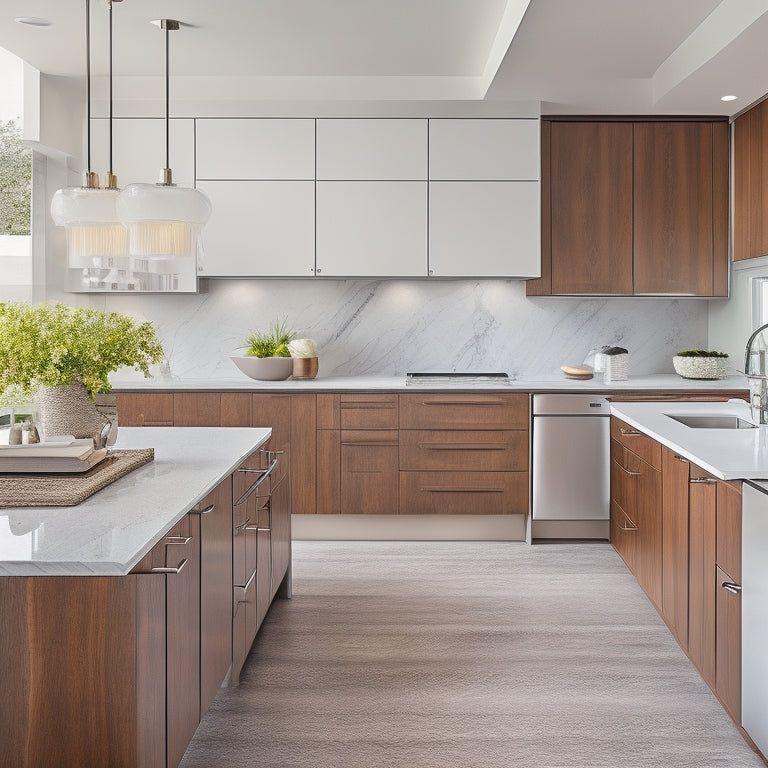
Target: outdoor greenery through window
{"points": [[15, 185], [15, 181]]}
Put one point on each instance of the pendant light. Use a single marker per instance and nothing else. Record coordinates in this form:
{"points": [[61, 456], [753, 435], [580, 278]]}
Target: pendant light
{"points": [[95, 236], [163, 220]]}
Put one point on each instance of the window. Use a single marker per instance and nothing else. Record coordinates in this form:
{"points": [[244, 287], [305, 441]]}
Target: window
{"points": [[15, 186]]}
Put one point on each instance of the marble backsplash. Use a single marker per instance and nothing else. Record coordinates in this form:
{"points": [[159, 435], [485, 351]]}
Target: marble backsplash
{"points": [[388, 327]]}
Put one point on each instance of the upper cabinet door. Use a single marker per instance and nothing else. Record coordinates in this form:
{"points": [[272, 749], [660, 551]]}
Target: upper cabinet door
{"points": [[484, 229], [484, 149], [591, 207], [371, 228], [263, 149], [259, 228], [673, 208], [138, 150], [372, 149]]}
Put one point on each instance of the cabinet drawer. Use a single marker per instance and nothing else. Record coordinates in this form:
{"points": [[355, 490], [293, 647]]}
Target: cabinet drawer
{"points": [[145, 410], [368, 411], [640, 444], [464, 411], [369, 474], [464, 450], [623, 535], [464, 493]]}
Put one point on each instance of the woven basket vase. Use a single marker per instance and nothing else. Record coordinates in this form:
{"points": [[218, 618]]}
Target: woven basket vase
{"points": [[69, 410], [700, 367]]}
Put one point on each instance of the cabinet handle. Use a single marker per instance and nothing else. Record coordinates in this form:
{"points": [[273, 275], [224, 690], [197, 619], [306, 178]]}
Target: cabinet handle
{"points": [[464, 446], [629, 432], [258, 529], [265, 473], [729, 586], [627, 471], [242, 526], [176, 540], [630, 527], [368, 443], [705, 480], [205, 511], [438, 489], [463, 402], [168, 569], [270, 454], [680, 458]]}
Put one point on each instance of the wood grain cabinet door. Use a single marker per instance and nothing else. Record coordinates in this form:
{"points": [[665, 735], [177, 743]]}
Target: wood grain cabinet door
{"points": [[674, 599], [369, 471], [680, 210], [701, 585], [591, 207], [139, 409]]}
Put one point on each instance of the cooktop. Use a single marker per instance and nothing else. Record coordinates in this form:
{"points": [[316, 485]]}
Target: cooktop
{"points": [[464, 378]]}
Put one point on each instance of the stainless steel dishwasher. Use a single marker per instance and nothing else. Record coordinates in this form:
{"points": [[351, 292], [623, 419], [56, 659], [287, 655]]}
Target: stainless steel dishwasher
{"points": [[570, 467]]}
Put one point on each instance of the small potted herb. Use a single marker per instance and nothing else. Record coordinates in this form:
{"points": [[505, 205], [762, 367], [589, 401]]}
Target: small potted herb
{"points": [[266, 356], [701, 364]]}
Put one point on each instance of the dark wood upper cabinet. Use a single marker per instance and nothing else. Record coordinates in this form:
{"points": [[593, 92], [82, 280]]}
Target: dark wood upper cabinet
{"points": [[750, 178], [591, 199], [634, 207]]}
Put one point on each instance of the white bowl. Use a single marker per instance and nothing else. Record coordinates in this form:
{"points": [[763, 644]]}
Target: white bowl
{"points": [[264, 368], [700, 367]]}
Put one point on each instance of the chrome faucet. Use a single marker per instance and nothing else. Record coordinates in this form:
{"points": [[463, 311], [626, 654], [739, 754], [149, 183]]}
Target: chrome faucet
{"points": [[755, 361]]}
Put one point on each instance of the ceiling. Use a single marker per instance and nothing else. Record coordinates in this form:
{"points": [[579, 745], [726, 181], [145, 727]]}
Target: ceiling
{"points": [[574, 56]]}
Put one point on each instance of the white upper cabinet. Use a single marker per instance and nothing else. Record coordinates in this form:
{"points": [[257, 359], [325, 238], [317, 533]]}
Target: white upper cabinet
{"points": [[138, 149], [484, 149], [258, 148], [372, 149], [259, 228], [371, 229]]}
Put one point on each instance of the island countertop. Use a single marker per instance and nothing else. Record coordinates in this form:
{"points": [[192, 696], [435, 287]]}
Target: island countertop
{"points": [[729, 454], [108, 533]]}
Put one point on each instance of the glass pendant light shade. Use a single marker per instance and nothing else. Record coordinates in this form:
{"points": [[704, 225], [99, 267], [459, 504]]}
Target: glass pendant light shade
{"points": [[163, 221], [95, 235]]}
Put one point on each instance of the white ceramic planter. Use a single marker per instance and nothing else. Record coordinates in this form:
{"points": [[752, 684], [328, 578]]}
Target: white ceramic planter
{"points": [[700, 367], [264, 368]]}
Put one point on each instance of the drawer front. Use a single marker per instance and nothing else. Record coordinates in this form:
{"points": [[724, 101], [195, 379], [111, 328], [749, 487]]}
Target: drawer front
{"points": [[369, 474], [640, 444], [145, 410], [464, 411], [368, 411], [464, 493], [505, 451]]}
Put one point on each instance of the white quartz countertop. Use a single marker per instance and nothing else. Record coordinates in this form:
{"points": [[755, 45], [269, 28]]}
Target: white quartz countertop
{"points": [[555, 383], [112, 530], [729, 454]]}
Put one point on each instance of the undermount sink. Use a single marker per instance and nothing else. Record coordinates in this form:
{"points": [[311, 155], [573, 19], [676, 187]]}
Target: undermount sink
{"points": [[712, 422]]}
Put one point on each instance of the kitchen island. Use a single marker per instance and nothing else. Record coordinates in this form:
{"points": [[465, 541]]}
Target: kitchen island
{"points": [[694, 536], [123, 615]]}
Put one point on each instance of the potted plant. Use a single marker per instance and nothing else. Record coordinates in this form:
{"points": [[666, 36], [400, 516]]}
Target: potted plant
{"points": [[64, 355], [266, 356], [701, 364]]}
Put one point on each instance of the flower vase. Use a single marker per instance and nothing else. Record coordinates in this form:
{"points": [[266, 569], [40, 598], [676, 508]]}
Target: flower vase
{"points": [[69, 410]]}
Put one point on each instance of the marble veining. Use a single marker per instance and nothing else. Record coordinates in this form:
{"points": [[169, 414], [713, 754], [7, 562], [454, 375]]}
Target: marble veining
{"points": [[111, 531], [388, 327]]}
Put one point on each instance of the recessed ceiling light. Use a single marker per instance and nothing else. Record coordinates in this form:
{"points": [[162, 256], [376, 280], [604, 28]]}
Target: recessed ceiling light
{"points": [[729, 97], [33, 21]]}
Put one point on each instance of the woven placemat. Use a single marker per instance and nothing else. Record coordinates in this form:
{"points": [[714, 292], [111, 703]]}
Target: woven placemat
{"points": [[65, 490]]}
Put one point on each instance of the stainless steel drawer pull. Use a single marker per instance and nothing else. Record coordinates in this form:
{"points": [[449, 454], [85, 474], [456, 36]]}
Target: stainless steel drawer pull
{"points": [[705, 480], [464, 446], [205, 511], [729, 586], [177, 539], [627, 471], [168, 569], [462, 402], [375, 443], [629, 432], [630, 527], [265, 473], [258, 529], [242, 526], [437, 489], [680, 458]]}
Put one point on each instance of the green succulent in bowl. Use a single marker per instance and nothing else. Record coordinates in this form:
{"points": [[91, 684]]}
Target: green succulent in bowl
{"points": [[271, 343], [701, 353]]}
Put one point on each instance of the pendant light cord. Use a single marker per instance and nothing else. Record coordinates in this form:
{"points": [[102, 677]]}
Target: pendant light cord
{"points": [[88, 79], [110, 87], [167, 103]]}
